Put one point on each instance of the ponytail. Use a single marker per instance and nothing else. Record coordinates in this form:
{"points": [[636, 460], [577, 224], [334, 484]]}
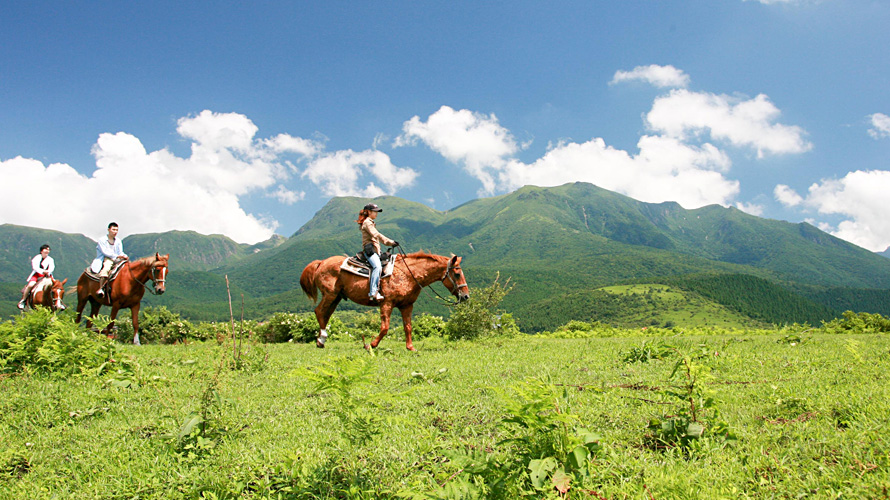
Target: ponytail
{"points": [[362, 215]]}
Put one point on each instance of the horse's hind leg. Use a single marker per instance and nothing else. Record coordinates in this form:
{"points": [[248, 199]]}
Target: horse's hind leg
{"points": [[385, 313], [323, 313]]}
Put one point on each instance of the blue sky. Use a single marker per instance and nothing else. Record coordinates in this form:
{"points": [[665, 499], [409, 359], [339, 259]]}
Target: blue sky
{"points": [[243, 119]]}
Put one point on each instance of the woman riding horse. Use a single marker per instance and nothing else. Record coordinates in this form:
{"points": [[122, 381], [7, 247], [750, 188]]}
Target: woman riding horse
{"points": [[410, 275]]}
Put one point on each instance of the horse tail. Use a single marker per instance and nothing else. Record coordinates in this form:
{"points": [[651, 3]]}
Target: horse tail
{"points": [[307, 280]]}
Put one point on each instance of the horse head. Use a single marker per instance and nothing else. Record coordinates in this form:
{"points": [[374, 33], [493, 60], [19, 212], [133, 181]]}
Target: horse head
{"points": [[455, 281], [58, 292], [159, 272]]}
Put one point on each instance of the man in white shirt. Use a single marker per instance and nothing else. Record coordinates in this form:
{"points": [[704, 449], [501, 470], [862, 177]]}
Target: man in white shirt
{"points": [[42, 266], [108, 250]]}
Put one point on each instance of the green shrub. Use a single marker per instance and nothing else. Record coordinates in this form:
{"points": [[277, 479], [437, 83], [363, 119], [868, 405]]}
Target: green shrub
{"points": [[857, 323], [42, 342], [480, 317], [426, 325], [286, 327]]}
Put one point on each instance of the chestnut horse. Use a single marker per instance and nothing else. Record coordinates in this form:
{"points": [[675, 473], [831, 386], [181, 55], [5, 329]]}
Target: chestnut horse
{"points": [[127, 290], [49, 295], [411, 273]]}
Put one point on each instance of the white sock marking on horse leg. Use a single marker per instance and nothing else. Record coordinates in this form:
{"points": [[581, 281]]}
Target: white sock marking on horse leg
{"points": [[323, 336]]}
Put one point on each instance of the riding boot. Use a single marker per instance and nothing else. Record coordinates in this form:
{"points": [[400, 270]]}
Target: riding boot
{"points": [[101, 291]]}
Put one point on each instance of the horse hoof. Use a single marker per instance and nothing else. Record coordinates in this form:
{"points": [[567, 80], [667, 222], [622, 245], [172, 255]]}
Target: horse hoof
{"points": [[319, 344], [367, 347], [411, 348]]}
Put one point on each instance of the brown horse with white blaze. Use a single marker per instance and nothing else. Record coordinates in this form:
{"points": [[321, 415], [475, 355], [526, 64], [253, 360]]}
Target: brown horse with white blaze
{"points": [[412, 272], [126, 292], [49, 295]]}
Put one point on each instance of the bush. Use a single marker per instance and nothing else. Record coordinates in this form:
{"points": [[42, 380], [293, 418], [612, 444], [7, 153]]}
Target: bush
{"points": [[427, 325], [45, 343], [857, 323], [284, 327], [480, 317], [159, 324]]}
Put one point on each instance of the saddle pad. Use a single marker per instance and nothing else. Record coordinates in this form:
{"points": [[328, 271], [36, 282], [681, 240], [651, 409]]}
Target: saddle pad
{"points": [[352, 265], [111, 274]]}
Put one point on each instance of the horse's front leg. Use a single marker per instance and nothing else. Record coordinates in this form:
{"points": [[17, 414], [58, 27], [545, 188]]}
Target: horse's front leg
{"points": [[406, 322], [109, 330], [134, 313], [323, 313], [94, 310], [385, 313]]}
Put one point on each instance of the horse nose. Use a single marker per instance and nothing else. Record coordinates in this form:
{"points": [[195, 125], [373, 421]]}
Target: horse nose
{"points": [[160, 291], [464, 297]]}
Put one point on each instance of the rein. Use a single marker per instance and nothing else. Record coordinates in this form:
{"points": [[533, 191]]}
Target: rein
{"points": [[447, 302]]}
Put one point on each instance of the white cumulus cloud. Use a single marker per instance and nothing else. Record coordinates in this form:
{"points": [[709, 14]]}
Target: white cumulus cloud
{"points": [[787, 196], [340, 173], [880, 126], [860, 198], [658, 76], [159, 191], [475, 140], [749, 123]]}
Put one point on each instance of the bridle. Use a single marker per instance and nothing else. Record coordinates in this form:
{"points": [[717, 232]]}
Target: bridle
{"points": [[154, 278], [57, 298], [449, 274]]}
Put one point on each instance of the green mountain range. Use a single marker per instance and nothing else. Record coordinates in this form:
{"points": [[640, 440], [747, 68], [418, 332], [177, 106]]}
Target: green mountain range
{"points": [[556, 245]]}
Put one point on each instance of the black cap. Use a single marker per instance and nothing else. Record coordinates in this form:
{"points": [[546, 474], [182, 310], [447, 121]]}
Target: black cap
{"points": [[373, 207]]}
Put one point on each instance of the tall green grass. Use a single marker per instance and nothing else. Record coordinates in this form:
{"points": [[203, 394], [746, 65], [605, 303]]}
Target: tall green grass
{"points": [[809, 413]]}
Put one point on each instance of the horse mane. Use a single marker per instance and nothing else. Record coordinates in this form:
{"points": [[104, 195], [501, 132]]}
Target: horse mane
{"points": [[148, 261], [144, 261]]}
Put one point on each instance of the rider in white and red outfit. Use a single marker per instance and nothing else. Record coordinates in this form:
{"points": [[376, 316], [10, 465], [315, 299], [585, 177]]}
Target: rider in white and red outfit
{"points": [[42, 266]]}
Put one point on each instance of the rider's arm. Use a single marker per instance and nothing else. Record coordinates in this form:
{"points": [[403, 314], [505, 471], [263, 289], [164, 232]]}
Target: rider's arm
{"points": [[50, 267], [376, 235]]}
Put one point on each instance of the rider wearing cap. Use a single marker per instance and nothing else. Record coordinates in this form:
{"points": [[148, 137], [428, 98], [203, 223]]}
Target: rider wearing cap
{"points": [[371, 239], [42, 266]]}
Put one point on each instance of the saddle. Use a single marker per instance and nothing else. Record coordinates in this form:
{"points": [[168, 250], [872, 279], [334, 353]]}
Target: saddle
{"points": [[358, 264], [115, 269]]}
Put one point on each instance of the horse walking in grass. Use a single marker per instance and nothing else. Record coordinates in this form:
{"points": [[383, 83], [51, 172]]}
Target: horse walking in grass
{"points": [[126, 291], [411, 273]]}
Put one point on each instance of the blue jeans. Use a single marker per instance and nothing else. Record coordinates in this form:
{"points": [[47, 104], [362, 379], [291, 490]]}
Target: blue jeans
{"points": [[376, 269]]}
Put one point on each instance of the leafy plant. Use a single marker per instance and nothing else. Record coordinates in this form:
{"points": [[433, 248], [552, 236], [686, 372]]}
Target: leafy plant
{"points": [[546, 452], [695, 413], [43, 342], [648, 351], [480, 317], [356, 411]]}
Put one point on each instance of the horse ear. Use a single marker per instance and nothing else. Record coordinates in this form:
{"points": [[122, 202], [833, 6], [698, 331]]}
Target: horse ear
{"points": [[65, 281], [157, 256], [454, 259]]}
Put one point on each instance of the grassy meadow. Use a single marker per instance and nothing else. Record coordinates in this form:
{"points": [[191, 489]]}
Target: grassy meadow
{"points": [[784, 415]]}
